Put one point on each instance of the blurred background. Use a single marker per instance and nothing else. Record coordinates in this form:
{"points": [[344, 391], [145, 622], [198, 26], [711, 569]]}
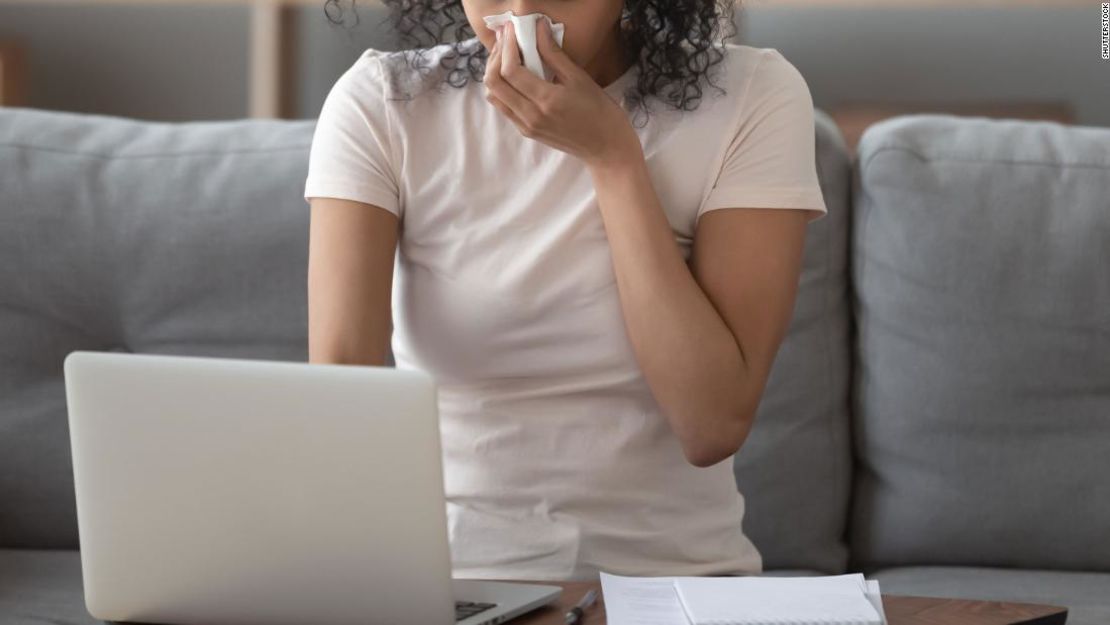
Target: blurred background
{"points": [[863, 59]]}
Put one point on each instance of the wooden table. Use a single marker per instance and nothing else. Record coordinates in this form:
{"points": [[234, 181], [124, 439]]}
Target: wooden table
{"points": [[900, 610]]}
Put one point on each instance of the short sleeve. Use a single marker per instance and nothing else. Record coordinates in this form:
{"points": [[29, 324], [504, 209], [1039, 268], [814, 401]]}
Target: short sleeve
{"points": [[351, 153], [770, 161]]}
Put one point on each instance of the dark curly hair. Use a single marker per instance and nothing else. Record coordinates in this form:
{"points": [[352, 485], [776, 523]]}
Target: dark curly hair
{"points": [[675, 43]]}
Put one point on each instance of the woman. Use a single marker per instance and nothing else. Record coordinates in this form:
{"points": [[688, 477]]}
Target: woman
{"points": [[600, 301]]}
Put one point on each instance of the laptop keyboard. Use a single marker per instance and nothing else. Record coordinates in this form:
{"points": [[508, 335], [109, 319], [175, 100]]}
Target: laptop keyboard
{"points": [[466, 609]]}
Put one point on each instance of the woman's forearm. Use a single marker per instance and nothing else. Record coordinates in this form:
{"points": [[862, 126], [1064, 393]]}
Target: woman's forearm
{"points": [[688, 355]]}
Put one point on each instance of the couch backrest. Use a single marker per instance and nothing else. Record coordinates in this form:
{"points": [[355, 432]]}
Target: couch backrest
{"points": [[795, 469], [192, 238], [981, 284], [120, 234]]}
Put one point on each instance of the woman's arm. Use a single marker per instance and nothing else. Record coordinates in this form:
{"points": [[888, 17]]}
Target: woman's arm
{"points": [[350, 279], [706, 334]]}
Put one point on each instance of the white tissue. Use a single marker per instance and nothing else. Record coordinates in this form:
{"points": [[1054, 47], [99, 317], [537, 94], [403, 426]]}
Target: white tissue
{"points": [[525, 28]]}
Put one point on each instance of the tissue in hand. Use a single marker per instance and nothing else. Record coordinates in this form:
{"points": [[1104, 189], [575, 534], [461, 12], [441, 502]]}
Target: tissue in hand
{"points": [[525, 28]]}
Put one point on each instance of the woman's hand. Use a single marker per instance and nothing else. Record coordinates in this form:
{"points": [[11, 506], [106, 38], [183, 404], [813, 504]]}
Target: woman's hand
{"points": [[573, 114]]}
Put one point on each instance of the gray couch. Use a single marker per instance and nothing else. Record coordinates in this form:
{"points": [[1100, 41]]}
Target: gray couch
{"points": [[938, 416]]}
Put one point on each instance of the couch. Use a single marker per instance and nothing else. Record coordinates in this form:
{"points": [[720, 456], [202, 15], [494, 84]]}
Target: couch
{"points": [[938, 416]]}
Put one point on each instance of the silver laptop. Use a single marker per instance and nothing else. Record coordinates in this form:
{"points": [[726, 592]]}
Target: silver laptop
{"points": [[219, 490]]}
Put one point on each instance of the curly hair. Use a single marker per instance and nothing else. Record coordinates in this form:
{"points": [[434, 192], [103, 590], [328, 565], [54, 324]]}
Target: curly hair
{"points": [[675, 44]]}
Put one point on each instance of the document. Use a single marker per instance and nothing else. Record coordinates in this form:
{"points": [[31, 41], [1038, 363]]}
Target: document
{"points": [[641, 601], [741, 600]]}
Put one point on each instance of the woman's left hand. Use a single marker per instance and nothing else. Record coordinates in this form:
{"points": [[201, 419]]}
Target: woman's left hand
{"points": [[573, 114]]}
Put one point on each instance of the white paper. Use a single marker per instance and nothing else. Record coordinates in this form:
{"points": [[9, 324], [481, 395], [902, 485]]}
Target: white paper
{"points": [[765, 600], [525, 28], [876, 598], [740, 599], [641, 601]]}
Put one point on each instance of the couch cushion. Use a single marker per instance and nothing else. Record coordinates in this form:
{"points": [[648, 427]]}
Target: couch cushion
{"points": [[1085, 594], [39, 587], [795, 468], [191, 238], [980, 257], [790, 573], [179, 238]]}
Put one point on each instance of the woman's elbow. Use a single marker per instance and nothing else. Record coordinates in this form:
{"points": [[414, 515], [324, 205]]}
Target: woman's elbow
{"points": [[720, 446]]}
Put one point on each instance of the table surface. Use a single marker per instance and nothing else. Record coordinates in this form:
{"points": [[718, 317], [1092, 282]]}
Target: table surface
{"points": [[899, 609]]}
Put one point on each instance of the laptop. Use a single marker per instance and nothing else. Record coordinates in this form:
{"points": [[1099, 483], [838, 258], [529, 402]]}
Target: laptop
{"points": [[233, 491]]}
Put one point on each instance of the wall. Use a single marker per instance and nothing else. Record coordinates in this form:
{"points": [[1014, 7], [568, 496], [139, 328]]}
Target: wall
{"points": [[165, 63], [952, 54], [190, 62]]}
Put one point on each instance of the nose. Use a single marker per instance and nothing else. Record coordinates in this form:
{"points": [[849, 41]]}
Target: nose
{"points": [[522, 7]]}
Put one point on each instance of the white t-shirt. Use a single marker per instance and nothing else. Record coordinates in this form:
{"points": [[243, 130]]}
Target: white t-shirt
{"points": [[558, 462]]}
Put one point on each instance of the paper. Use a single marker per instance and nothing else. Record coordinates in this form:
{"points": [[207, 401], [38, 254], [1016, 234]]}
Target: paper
{"points": [[743, 599], [830, 598], [876, 598], [525, 28], [641, 601]]}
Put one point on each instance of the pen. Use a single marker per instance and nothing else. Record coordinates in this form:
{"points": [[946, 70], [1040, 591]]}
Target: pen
{"points": [[576, 613]]}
